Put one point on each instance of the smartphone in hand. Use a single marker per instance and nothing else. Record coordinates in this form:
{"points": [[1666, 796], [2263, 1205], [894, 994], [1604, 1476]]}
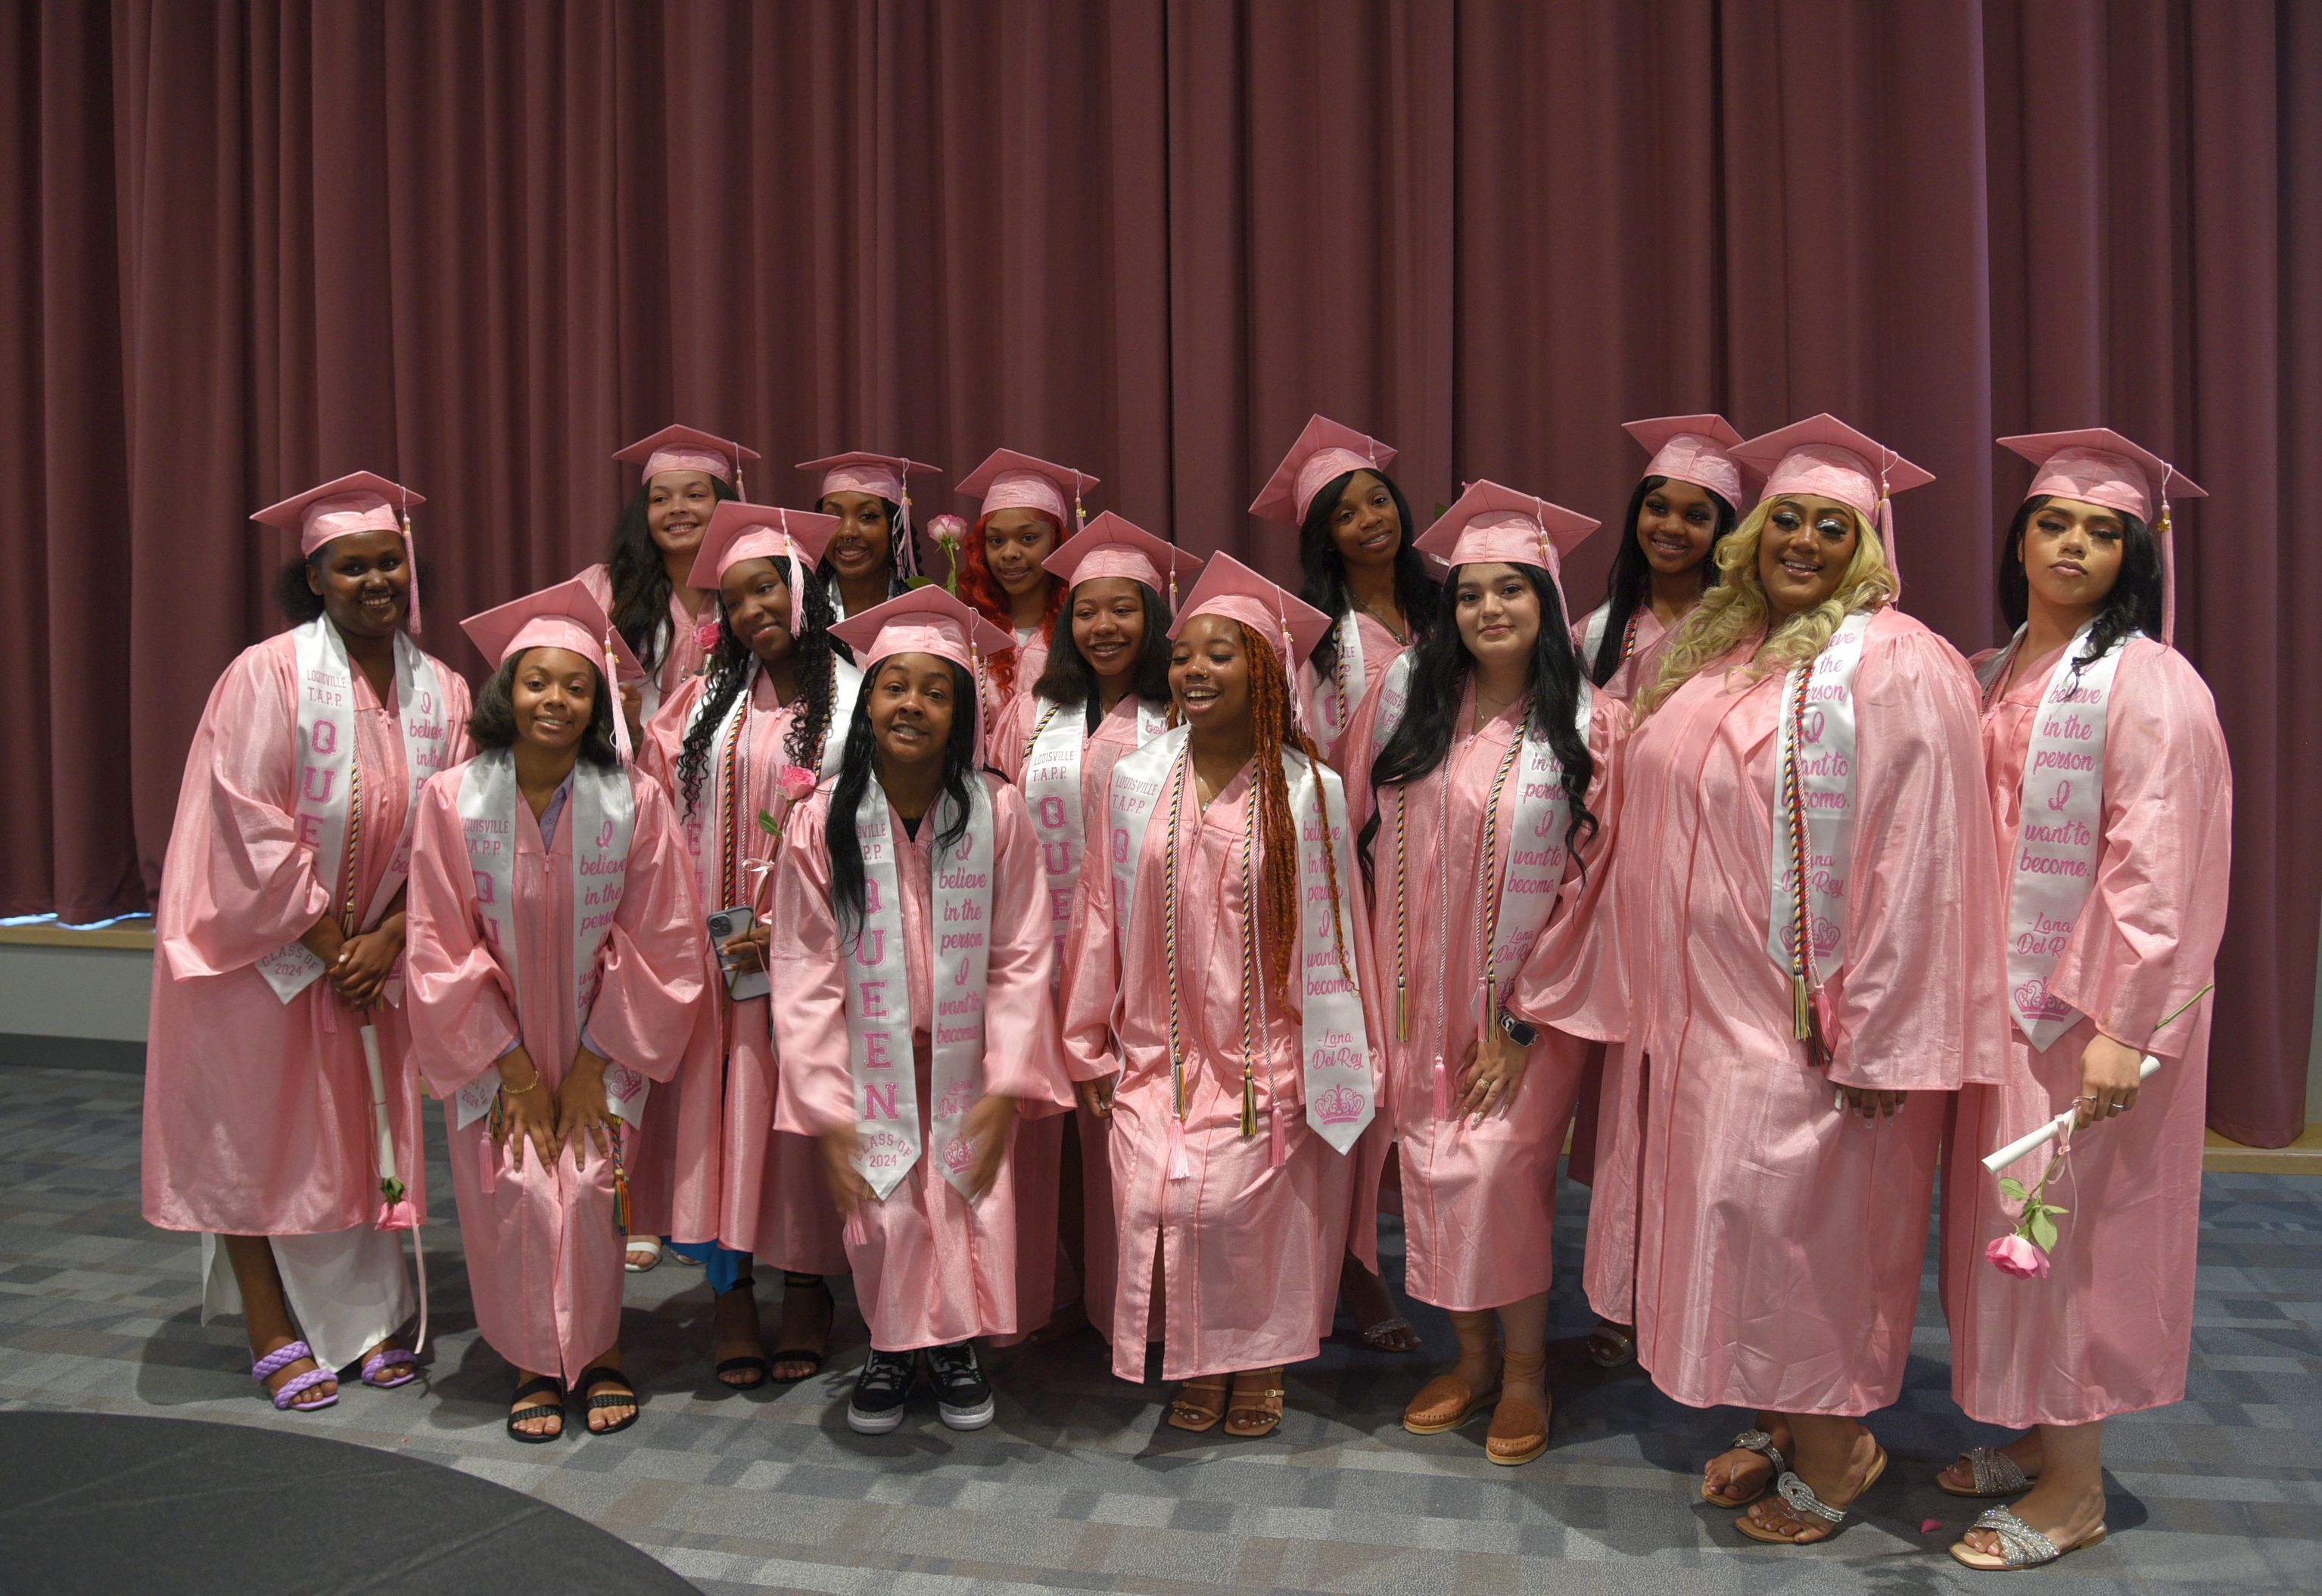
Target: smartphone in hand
{"points": [[727, 924]]}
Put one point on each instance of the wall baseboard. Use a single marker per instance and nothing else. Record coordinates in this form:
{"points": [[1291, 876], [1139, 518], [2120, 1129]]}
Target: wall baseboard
{"points": [[21, 1051]]}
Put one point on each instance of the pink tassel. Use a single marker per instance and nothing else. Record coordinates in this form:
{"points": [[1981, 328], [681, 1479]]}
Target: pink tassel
{"points": [[1442, 1089], [488, 1164], [1279, 1150], [398, 1215], [620, 721], [856, 1234], [411, 608], [1181, 1166]]}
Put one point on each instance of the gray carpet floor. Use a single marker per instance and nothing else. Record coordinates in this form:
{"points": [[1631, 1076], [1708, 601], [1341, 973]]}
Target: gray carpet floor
{"points": [[1079, 1486]]}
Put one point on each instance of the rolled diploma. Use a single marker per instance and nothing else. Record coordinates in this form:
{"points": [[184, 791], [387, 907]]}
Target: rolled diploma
{"points": [[378, 1104], [2053, 1128]]}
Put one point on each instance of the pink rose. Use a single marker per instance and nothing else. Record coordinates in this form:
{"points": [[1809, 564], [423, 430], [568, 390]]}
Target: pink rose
{"points": [[946, 529], [2014, 1255], [705, 635], [797, 782]]}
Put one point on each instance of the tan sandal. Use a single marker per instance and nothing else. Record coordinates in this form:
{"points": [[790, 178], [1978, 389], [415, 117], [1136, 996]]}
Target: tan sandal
{"points": [[1807, 1511], [1266, 1406], [1760, 1443], [1519, 1431], [1186, 1413], [2020, 1545]]}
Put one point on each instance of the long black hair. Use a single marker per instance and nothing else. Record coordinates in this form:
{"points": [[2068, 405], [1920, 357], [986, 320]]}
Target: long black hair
{"points": [[491, 721], [816, 661], [1070, 680], [641, 584], [1323, 581], [962, 763], [1627, 589], [1441, 666], [2134, 604]]}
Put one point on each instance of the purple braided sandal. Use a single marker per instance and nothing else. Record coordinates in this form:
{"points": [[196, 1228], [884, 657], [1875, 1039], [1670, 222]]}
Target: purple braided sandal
{"points": [[282, 1358], [396, 1365]]}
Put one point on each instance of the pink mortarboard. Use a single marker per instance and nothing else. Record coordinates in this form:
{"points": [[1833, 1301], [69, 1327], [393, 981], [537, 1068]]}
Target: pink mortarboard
{"points": [[1228, 587], [1008, 480], [884, 476], [565, 616], [361, 501], [1109, 546], [2098, 466], [925, 621], [690, 449], [1824, 458], [1695, 449], [738, 532], [1492, 523], [1325, 450]]}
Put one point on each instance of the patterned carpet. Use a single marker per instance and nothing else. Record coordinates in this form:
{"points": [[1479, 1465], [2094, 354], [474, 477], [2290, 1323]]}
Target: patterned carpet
{"points": [[1078, 1486]]}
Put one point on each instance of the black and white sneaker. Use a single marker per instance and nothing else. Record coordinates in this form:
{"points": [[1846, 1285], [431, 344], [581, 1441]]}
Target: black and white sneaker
{"points": [[880, 1392], [963, 1395]]}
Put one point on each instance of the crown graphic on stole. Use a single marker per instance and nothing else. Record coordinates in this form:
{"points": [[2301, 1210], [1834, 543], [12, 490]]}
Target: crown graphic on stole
{"points": [[958, 1154], [1339, 1104]]}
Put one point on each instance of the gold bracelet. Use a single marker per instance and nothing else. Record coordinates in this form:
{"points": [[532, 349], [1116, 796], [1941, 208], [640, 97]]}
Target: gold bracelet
{"points": [[517, 1091]]}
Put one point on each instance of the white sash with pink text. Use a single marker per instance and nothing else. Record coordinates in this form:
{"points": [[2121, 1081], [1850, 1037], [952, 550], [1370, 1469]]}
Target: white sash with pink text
{"points": [[1334, 1041], [2062, 829], [1825, 765], [601, 814], [879, 999], [1052, 791], [326, 762], [1334, 704]]}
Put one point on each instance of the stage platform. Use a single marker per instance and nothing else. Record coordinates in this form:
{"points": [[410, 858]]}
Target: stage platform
{"points": [[1078, 1485]]}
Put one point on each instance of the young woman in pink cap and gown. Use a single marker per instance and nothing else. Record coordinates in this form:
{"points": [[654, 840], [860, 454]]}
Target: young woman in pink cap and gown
{"points": [[1800, 917], [1216, 987], [734, 749], [1358, 567], [277, 945], [1029, 508], [914, 925], [873, 555], [1104, 692], [644, 581], [2113, 802], [556, 967], [1476, 772], [1683, 506]]}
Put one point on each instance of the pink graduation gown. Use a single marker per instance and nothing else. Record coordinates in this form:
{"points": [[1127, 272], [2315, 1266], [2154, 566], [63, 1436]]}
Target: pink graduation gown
{"points": [[1479, 1200], [1380, 650], [1778, 1238], [258, 1113], [930, 1268], [1251, 1251], [543, 1253], [2108, 1330], [1626, 680], [684, 659], [712, 1162]]}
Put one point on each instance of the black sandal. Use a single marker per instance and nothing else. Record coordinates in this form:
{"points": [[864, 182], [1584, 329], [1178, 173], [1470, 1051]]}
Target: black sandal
{"points": [[533, 1387], [800, 1355], [747, 1360], [585, 1387]]}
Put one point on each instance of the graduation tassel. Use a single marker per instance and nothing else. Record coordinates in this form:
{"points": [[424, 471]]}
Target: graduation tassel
{"points": [[1279, 1152], [1402, 1011], [1442, 1089], [1181, 1167], [1249, 1102], [620, 1182], [1801, 1008]]}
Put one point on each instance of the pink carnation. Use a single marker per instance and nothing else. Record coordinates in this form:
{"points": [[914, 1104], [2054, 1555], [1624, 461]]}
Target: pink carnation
{"points": [[705, 635], [797, 782], [2014, 1255]]}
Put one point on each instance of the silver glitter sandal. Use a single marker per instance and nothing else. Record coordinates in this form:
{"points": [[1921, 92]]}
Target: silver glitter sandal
{"points": [[2020, 1545], [1756, 1441], [1806, 1507], [1995, 1474]]}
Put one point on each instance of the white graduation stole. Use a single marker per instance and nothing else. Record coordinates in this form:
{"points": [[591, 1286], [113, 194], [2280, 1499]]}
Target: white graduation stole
{"points": [[2061, 832], [879, 998], [326, 764], [1592, 634], [1334, 1043], [1339, 694], [1825, 767], [601, 814], [1052, 792]]}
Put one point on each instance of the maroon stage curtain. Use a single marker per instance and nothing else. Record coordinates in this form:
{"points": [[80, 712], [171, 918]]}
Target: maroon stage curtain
{"points": [[478, 246]]}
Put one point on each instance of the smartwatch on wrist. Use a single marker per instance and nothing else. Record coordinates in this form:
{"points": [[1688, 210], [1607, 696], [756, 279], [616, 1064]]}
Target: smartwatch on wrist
{"points": [[1517, 1032]]}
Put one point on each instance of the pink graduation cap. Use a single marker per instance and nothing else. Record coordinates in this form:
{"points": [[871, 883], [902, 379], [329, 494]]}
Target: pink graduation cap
{"points": [[925, 621], [738, 532], [689, 448], [1325, 450], [1695, 449], [1825, 457], [2098, 466], [1109, 546], [1011, 481], [1492, 523], [361, 501], [884, 476], [563, 616], [1228, 587]]}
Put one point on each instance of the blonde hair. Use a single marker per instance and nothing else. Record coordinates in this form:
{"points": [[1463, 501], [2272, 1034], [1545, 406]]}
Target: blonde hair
{"points": [[1736, 609]]}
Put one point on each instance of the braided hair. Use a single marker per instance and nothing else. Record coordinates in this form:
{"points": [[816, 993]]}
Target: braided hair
{"points": [[1273, 729], [729, 668]]}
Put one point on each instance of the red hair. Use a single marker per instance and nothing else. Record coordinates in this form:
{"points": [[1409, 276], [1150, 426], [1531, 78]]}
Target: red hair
{"points": [[981, 589]]}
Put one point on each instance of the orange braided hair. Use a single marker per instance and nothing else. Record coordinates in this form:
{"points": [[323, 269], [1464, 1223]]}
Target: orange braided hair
{"points": [[982, 590], [1272, 729]]}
